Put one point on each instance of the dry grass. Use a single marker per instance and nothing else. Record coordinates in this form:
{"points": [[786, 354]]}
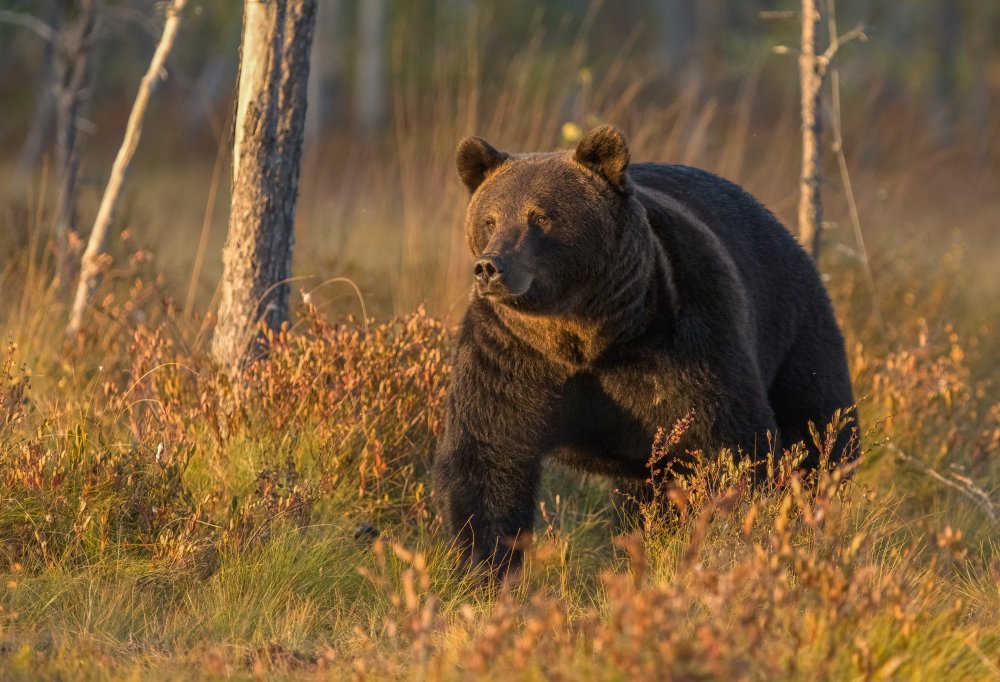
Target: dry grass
{"points": [[158, 521]]}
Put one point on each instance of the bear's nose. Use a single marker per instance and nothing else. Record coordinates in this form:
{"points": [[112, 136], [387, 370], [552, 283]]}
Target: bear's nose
{"points": [[489, 270]]}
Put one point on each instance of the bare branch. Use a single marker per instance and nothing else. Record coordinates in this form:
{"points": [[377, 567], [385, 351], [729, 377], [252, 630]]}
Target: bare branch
{"points": [[856, 33], [90, 267], [845, 176], [957, 482], [777, 15], [33, 24]]}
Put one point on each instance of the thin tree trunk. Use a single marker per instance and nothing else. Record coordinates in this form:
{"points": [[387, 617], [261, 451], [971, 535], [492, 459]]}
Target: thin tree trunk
{"points": [[325, 71], [371, 75], [270, 119], [41, 119], [74, 53], [811, 78], [90, 266], [948, 24], [981, 47], [711, 37], [680, 27]]}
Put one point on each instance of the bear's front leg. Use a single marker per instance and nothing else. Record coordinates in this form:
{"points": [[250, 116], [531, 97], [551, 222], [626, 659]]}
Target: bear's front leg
{"points": [[488, 463]]}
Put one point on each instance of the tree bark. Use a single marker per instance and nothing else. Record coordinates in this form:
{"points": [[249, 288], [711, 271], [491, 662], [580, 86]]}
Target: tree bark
{"points": [[270, 119], [811, 78]]}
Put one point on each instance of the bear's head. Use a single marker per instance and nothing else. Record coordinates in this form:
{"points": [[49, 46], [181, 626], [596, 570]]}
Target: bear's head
{"points": [[539, 226]]}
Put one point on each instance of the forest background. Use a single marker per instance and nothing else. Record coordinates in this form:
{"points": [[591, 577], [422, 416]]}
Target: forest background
{"points": [[157, 518]]}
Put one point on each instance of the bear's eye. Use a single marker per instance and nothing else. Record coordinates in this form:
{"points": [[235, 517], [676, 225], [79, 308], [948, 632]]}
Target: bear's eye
{"points": [[489, 223], [542, 221]]}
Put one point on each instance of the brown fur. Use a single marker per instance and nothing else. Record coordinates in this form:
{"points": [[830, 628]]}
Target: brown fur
{"points": [[617, 298]]}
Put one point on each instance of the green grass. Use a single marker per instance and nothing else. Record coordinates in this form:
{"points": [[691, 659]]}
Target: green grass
{"points": [[157, 520]]}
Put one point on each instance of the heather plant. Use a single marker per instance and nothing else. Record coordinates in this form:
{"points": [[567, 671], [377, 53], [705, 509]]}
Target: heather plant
{"points": [[164, 517], [161, 519]]}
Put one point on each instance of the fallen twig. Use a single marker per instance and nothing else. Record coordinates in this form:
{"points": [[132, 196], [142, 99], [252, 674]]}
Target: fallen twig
{"points": [[960, 483]]}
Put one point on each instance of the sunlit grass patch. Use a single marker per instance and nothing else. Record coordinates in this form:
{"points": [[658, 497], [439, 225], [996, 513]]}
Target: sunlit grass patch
{"points": [[160, 519]]}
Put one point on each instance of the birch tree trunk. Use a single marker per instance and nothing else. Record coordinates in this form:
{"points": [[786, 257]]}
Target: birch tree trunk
{"points": [[811, 77], [270, 119]]}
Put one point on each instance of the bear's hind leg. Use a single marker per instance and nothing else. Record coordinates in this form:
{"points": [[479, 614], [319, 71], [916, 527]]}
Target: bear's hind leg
{"points": [[812, 383]]}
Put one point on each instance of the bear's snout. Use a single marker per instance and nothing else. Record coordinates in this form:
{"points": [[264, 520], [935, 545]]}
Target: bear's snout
{"points": [[490, 271], [501, 277]]}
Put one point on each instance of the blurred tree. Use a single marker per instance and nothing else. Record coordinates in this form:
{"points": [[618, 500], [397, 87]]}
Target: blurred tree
{"points": [[325, 71], [267, 151], [982, 46], [679, 24], [371, 81], [210, 88], [711, 39], [74, 53], [948, 23], [70, 34], [923, 70], [678, 28], [41, 119]]}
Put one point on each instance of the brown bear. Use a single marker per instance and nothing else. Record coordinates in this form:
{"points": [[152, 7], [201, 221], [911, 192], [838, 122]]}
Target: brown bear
{"points": [[610, 299]]}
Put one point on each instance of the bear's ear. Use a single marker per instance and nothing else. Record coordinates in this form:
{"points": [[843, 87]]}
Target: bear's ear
{"points": [[604, 151], [475, 158]]}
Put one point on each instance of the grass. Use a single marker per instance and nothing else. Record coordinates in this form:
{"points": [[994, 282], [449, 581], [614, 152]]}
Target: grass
{"points": [[159, 521]]}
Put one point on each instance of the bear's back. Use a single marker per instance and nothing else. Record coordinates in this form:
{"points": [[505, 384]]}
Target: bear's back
{"points": [[779, 280]]}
